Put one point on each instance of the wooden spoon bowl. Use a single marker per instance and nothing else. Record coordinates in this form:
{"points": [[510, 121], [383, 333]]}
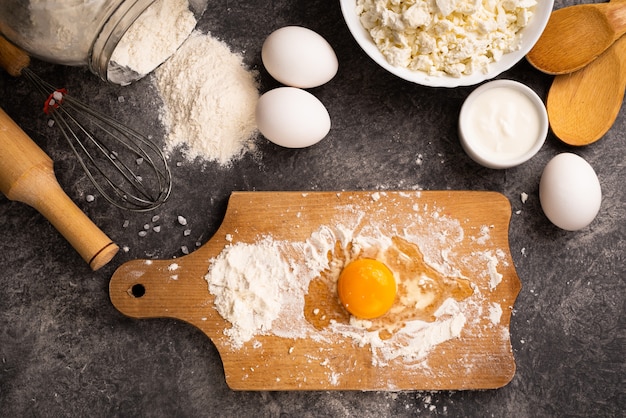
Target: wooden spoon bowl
{"points": [[583, 106], [576, 35]]}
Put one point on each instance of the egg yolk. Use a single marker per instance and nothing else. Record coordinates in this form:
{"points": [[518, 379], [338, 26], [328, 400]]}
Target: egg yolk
{"points": [[366, 288]]}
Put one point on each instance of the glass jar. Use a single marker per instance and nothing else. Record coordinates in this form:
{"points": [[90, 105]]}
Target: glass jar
{"points": [[88, 32]]}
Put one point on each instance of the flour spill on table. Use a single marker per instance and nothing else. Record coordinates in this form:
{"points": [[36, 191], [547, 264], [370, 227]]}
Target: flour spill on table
{"points": [[261, 287]]}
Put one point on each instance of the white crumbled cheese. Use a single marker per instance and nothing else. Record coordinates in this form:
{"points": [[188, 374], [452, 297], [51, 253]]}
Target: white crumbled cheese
{"points": [[445, 37]]}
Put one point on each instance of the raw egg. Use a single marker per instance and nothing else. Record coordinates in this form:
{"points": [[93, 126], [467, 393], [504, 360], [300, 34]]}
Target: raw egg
{"points": [[291, 117], [569, 192], [366, 288], [299, 57]]}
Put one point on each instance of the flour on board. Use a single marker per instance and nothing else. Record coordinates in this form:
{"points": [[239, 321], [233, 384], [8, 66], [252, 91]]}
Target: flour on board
{"points": [[260, 287]]}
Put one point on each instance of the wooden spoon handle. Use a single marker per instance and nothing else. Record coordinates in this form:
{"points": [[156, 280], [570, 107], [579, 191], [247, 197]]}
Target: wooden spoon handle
{"points": [[616, 16], [27, 176], [576, 35]]}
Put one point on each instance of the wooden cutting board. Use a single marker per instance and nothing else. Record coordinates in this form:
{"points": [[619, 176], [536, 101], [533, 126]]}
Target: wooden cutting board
{"points": [[459, 233]]}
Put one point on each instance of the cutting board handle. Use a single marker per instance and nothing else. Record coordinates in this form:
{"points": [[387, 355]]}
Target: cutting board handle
{"points": [[27, 176]]}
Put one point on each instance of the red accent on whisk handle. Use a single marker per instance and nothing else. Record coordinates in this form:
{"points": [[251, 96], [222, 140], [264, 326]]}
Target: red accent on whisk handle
{"points": [[27, 176], [54, 101]]}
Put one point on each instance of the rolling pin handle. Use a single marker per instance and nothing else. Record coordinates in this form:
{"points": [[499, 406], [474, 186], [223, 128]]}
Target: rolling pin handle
{"points": [[27, 176], [12, 58]]}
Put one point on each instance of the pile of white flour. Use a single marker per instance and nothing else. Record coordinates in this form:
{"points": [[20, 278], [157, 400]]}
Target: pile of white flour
{"points": [[209, 101], [251, 283]]}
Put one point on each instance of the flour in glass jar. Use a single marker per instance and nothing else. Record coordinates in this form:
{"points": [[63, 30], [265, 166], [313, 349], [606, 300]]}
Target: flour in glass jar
{"points": [[151, 40]]}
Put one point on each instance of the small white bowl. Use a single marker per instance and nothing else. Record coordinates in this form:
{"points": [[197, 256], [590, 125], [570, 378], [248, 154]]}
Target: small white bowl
{"points": [[502, 128], [530, 35]]}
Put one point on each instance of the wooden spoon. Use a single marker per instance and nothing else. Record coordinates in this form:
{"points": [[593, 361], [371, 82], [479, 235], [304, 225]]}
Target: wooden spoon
{"points": [[583, 106], [576, 35]]}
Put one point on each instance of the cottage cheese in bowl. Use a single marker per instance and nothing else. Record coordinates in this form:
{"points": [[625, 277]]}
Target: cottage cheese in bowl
{"points": [[446, 43]]}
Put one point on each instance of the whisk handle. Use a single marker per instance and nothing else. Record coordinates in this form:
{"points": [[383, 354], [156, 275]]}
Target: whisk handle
{"points": [[12, 58], [27, 176]]}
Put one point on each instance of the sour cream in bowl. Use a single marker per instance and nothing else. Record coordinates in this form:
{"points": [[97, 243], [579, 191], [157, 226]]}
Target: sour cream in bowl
{"points": [[502, 123], [446, 43]]}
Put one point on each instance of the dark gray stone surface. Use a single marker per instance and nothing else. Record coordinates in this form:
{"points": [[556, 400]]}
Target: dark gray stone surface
{"points": [[66, 351]]}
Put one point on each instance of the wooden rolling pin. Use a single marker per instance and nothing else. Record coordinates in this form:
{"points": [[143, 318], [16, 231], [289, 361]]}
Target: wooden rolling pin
{"points": [[27, 176]]}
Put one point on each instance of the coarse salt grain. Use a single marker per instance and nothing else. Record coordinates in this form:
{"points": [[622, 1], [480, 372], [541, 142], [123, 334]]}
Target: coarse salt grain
{"points": [[523, 197]]}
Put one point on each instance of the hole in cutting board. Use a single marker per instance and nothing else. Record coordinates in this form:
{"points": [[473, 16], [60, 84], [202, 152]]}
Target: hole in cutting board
{"points": [[138, 290]]}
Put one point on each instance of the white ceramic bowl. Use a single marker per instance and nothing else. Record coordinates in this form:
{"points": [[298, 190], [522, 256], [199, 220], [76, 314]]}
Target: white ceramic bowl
{"points": [[505, 117], [530, 33]]}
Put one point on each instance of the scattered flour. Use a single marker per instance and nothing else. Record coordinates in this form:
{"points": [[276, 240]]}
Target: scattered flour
{"points": [[414, 341], [492, 268], [209, 101], [495, 312]]}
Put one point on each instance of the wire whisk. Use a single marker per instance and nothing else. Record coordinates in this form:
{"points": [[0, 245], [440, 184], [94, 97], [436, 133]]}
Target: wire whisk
{"points": [[126, 168]]}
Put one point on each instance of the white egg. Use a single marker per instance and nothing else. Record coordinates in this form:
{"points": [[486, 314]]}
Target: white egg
{"points": [[299, 57], [569, 192], [292, 118]]}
